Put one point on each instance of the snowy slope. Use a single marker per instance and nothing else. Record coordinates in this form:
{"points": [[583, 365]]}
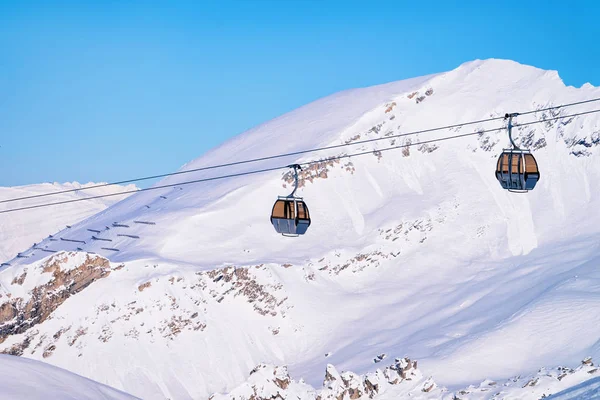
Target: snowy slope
{"points": [[403, 379], [23, 379], [19, 230], [588, 390], [414, 252]]}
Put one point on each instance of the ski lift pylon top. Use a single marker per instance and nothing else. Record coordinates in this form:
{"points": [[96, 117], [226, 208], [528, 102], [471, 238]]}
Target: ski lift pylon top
{"points": [[290, 215], [516, 169]]}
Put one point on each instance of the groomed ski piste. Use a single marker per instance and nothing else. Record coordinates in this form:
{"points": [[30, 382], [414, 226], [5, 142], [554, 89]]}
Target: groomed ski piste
{"points": [[416, 252]]}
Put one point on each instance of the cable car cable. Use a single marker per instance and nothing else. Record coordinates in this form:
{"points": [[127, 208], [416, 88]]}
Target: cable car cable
{"points": [[480, 132], [245, 173], [290, 154]]}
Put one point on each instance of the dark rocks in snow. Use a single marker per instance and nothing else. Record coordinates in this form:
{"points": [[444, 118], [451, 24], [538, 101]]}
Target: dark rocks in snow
{"points": [[331, 375], [243, 282], [349, 167], [428, 386], [144, 286], [265, 383], [349, 385], [177, 324], [581, 146], [352, 139], [377, 128], [17, 315], [18, 280], [427, 148], [48, 351], [269, 383], [317, 170], [406, 148], [539, 144], [532, 382], [390, 107]]}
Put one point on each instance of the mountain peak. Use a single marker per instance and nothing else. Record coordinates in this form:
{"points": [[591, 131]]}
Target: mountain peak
{"points": [[414, 248]]}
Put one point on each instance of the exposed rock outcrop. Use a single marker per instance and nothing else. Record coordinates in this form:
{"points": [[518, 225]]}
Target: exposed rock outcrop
{"points": [[18, 314], [266, 383], [243, 282], [270, 383]]}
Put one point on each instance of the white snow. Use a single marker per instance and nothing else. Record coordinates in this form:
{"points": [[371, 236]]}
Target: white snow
{"points": [[387, 383], [420, 255], [24, 379], [588, 390], [20, 230]]}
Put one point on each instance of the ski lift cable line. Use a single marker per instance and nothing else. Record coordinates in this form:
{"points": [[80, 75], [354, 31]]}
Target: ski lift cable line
{"points": [[295, 153], [251, 160], [308, 163], [577, 103], [248, 172], [557, 117]]}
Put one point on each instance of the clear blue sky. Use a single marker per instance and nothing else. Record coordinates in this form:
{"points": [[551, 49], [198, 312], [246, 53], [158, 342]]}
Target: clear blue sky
{"points": [[109, 90]]}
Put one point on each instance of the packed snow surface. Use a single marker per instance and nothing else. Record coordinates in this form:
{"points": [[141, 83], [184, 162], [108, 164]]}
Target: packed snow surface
{"points": [[412, 252], [20, 230], [24, 379]]}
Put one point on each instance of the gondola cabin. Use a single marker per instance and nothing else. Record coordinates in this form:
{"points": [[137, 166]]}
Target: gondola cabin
{"points": [[517, 170], [290, 216]]}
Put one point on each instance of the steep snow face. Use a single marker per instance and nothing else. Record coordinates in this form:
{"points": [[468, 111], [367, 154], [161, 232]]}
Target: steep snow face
{"points": [[414, 252], [23, 379], [19, 230]]}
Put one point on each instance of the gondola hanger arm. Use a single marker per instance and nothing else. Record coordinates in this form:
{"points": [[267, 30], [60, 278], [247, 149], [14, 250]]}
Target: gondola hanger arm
{"points": [[509, 127]]}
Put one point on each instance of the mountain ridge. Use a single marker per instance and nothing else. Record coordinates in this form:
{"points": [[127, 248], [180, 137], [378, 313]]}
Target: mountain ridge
{"points": [[416, 252]]}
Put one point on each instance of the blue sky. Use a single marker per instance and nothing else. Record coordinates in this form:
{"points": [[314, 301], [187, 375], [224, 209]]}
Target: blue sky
{"points": [[110, 90]]}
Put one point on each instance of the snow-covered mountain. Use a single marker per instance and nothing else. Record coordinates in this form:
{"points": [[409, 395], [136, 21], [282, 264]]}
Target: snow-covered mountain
{"points": [[415, 252], [403, 379], [20, 230], [24, 379]]}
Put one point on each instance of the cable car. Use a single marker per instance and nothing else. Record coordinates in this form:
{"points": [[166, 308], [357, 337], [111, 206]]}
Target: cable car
{"points": [[516, 169], [290, 215]]}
